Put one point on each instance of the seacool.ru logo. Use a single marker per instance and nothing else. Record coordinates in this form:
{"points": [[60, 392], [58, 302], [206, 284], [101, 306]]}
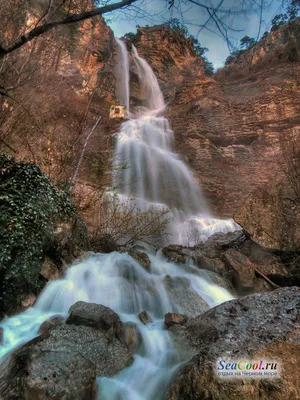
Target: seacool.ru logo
{"points": [[244, 368]]}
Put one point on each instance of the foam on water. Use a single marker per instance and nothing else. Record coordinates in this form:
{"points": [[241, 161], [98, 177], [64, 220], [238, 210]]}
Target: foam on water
{"points": [[117, 281]]}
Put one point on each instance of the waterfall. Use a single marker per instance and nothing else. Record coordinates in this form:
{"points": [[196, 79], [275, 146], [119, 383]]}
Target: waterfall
{"points": [[156, 177], [117, 281], [123, 74], [149, 84]]}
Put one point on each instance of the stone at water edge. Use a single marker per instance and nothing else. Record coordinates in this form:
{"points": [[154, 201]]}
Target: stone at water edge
{"points": [[92, 314], [177, 254], [129, 334], [63, 363], [240, 271], [142, 258], [50, 323], [1, 335], [182, 297], [174, 319], [262, 326], [144, 317]]}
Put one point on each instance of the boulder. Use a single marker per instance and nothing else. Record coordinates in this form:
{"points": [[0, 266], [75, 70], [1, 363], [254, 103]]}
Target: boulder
{"points": [[144, 317], [219, 242], [263, 326], [129, 334], [240, 271], [177, 254], [183, 298], [142, 258], [62, 364], [212, 264], [50, 323], [50, 270], [1, 336], [173, 319], [91, 314]]}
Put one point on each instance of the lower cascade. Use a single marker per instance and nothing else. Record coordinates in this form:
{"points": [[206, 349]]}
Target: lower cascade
{"points": [[117, 281], [158, 179]]}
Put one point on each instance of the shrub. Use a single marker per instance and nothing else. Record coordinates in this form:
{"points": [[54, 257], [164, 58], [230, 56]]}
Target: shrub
{"points": [[30, 209]]}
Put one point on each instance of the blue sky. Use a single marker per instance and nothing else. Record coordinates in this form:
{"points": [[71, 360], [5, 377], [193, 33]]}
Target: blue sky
{"points": [[153, 12]]}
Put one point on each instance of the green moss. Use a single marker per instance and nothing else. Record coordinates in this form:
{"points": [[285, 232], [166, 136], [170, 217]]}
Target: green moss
{"points": [[30, 209]]}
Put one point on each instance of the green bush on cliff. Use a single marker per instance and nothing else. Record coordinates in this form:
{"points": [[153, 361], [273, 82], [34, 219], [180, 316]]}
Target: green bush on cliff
{"points": [[30, 209]]}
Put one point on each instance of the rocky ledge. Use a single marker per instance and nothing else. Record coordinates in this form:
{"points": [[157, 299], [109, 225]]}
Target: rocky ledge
{"points": [[244, 264], [65, 360], [262, 326]]}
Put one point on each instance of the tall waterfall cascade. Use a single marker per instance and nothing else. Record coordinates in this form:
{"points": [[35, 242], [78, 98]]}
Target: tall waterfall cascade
{"points": [[158, 179]]}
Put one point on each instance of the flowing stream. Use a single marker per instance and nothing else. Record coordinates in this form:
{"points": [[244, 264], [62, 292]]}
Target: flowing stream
{"points": [[158, 179]]}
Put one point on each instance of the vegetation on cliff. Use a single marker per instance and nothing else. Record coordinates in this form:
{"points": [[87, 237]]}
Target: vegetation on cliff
{"points": [[287, 24], [31, 212]]}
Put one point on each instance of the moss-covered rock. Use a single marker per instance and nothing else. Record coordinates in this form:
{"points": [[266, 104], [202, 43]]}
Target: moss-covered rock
{"points": [[35, 220]]}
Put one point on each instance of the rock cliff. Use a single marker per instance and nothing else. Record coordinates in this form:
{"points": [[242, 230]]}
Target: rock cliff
{"points": [[234, 128]]}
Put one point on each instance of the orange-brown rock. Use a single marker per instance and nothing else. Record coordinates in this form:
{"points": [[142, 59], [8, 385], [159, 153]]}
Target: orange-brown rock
{"points": [[232, 128]]}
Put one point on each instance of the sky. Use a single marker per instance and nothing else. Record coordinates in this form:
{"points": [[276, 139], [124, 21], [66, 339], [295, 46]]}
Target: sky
{"points": [[153, 12]]}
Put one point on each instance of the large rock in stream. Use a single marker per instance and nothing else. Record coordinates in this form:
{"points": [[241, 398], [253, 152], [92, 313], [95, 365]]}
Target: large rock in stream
{"points": [[257, 327], [63, 363]]}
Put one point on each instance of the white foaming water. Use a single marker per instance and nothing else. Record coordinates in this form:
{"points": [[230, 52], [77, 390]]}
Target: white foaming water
{"points": [[117, 281], [156, 177], [123, 74], [149, 85]]}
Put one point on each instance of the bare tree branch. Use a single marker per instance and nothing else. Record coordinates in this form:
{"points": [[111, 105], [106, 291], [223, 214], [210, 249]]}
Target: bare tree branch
{"points": [[70, 19]]}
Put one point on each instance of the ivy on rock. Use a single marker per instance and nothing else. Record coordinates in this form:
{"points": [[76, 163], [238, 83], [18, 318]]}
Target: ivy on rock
{"points": [[30, 211]]}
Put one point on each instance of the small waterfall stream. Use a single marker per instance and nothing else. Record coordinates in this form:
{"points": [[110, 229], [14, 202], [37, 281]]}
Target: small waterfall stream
{"points": [[158, 179]]}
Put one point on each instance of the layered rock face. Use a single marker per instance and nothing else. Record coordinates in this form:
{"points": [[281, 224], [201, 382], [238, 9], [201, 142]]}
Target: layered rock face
{"points": [[57, 94], [232, 128]]}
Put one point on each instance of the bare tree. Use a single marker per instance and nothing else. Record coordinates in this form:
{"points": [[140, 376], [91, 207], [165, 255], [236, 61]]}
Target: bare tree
{"points": [[123, 222], [218, 16]]}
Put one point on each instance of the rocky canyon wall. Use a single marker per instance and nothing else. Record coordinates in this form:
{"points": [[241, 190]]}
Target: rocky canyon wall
{"points": [[234, 129], [231, 128]]}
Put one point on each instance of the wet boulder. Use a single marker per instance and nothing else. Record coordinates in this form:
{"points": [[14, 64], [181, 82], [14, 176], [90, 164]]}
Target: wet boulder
{"points": [[91, 314], [173, 319], [145, 317], [129, 334], [50, 323], [212, 264], [62, 364], [183, 298], [142, 258], [240, 270], [219, 242], [262, 326], [177, 254]]}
